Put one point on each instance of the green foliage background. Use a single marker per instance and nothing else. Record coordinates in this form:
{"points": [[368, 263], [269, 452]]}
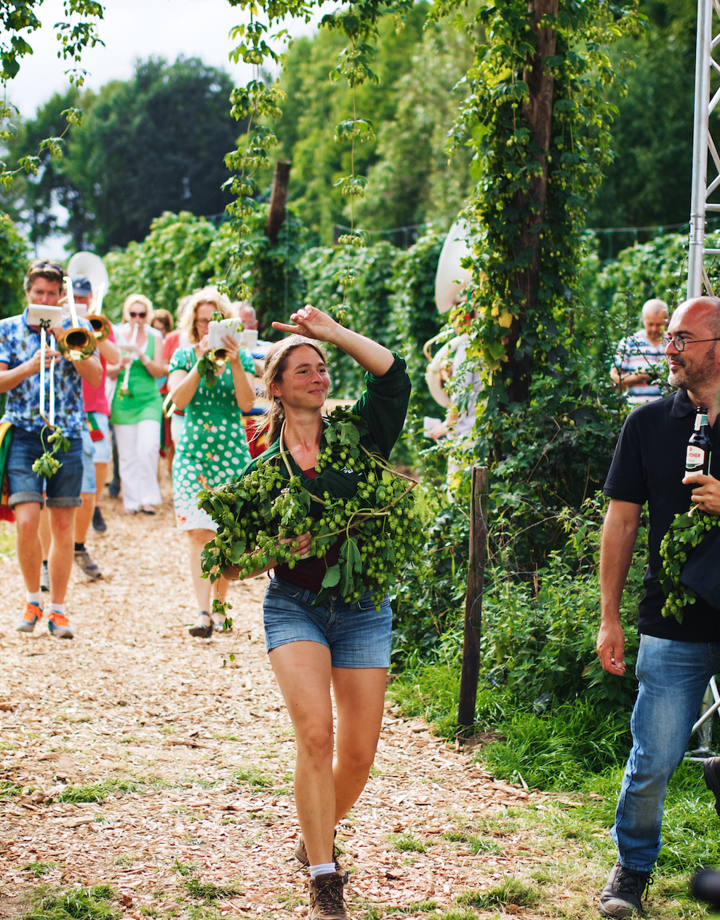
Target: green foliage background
{"points": [[183, 253], [13, 265]]}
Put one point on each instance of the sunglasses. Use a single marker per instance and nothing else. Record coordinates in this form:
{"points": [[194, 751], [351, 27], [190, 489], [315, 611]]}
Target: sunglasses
{"points": [[41, 266], [138, 315]]}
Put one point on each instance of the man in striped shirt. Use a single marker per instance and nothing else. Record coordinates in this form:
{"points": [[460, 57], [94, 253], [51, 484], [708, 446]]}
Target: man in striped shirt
{"points": [[639, 353]]}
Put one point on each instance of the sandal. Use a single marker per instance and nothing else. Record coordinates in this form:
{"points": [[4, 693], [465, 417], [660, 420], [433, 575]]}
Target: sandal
{"points": [[147, 509], [218, 622], [203, 626]]}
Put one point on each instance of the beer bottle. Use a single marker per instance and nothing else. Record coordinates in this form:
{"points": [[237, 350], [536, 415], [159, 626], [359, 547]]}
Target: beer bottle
{"points": [[699, 449]]}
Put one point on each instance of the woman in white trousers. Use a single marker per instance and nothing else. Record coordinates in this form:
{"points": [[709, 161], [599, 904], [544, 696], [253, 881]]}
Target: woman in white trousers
{"points": [[137, 405]]}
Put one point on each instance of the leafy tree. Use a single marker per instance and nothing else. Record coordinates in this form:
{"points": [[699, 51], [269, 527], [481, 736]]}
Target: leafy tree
{"points": [[13, 265], [19, 20], [414, 180], [35, 198], [648, 182], [314, 106], [147, 145]]}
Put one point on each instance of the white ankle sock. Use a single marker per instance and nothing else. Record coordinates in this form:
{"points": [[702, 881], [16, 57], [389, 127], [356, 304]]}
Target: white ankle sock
{"points": [[34, 597], [57, 608], [322, 869]]}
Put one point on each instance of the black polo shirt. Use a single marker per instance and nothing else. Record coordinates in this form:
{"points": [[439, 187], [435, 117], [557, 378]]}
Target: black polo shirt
{"points": [[649, 466]]}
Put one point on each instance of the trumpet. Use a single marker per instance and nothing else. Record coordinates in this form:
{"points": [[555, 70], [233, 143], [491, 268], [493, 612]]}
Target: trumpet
{"points": [[76, 343], [101, 325], [125, 388]]}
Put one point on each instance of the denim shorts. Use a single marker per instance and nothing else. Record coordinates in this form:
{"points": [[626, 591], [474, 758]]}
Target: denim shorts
{"points": [[88, 461], [62, 489], [357, 635], [103, 447]]}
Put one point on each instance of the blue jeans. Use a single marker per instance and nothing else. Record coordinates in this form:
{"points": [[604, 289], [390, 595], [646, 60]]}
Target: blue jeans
{"points": [[673, 677], [62, 489]]}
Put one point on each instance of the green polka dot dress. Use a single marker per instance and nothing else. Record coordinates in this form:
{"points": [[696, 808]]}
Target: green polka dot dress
{"points": [[213, 447]]}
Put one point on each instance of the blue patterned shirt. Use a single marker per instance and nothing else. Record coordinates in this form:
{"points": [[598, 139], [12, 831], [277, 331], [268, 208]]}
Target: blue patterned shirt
{"points": [[18, 343]]}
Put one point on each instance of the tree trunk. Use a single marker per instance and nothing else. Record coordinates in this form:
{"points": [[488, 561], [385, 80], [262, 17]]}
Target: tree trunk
{"points": [[537, 113], [278, 200]]}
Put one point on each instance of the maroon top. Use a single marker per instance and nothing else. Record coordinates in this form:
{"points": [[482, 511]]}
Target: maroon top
{"points": [[310, 574]]}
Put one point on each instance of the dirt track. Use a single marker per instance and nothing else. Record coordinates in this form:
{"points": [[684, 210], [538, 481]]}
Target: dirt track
{"points": [[192, 762]]}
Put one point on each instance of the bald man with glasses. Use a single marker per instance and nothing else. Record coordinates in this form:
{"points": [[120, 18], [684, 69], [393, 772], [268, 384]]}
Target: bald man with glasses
{"points": [[675, 660]]}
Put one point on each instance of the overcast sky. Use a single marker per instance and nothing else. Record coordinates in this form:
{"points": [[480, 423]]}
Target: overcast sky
{"points": [[131, 29]]}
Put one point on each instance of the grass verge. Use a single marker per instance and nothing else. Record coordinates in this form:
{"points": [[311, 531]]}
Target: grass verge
{"points": [[572, 752]]}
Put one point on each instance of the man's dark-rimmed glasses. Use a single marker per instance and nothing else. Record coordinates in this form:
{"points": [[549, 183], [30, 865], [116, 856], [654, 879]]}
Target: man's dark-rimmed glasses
{"points": [[680, 342]]}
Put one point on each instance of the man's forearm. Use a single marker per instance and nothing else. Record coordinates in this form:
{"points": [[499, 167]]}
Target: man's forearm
{"points": [[618, 541], [90, 370], [9, 379]]}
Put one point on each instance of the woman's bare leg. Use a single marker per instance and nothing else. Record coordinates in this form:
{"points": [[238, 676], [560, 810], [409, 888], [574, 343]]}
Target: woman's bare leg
{"points": [[360, 699], [203, 586], [303, 671]]}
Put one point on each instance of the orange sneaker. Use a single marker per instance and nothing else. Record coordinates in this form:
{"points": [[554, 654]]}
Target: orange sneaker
{"points": [[59, 626], [28, 618]]}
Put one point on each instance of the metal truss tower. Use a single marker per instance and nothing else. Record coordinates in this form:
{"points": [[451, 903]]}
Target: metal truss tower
{"points": [[708, 40]]}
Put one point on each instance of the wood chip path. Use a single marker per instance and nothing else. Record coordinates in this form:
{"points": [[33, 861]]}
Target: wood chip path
{"points": [[192, 761]]}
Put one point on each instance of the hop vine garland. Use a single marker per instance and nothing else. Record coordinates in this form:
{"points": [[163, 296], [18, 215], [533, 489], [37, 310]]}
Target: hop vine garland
{"points": [[686, 533], [48, 464], [381, 525]]}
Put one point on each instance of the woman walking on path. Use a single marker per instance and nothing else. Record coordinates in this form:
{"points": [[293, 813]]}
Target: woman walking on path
{"points": [[136, 409], [345, 646], [213, 447]]}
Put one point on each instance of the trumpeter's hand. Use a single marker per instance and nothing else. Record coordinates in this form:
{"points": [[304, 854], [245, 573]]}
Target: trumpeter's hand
{"points": [[312, 323], [204, 344], [706, 492], [33, 365]]}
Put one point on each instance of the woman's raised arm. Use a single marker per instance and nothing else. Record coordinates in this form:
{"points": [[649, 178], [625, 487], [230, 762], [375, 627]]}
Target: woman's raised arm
{"points": [[314, 324]]}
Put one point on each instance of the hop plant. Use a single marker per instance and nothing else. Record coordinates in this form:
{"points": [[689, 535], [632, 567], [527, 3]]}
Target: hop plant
{"points": [[686, 532], [48, 464], [261, 516]]}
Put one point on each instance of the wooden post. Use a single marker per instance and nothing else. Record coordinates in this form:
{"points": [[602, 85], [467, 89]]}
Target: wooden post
{"points": [[278, 200], [473, 599]]}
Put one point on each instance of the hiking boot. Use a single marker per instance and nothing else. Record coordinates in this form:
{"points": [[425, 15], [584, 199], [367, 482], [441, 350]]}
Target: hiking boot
{"points": [[302, 857], [44, 577], [711, 771], [87, 565], [59, 626], [98, 521], [622, 893], [326, 898], [28, 618]]}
